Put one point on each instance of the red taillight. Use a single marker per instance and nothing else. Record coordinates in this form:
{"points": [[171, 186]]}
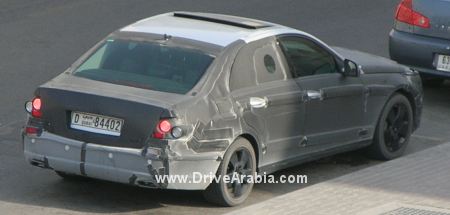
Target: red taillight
{"points": [[164, 126], [36, 107], [31, 130], [406, 14]]}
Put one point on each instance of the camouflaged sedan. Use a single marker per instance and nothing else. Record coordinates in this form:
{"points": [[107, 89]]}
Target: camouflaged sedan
{"points": [[183, 93]]}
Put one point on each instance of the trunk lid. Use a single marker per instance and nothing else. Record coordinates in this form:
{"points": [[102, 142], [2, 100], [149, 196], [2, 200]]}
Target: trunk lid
{"points": [[438, 11], [139, 109]]}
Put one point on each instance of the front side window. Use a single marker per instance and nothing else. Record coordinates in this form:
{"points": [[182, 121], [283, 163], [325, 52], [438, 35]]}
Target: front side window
{"points": [[146, 65], [306, 58]]}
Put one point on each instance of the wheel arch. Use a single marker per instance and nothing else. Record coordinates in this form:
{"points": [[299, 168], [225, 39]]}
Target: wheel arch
{"points": [[250, 138], [412, 101], [404, 92]]}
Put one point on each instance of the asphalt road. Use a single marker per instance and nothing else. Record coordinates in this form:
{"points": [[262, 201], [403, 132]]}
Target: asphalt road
{"points": [[41, 38]]}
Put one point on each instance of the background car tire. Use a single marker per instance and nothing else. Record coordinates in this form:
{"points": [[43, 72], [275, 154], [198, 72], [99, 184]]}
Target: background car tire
{"points": [[220, 193], [432, 81], [384, 146]]}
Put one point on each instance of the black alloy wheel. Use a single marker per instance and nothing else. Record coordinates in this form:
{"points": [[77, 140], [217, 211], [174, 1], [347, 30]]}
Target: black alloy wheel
{"points": [[238, 164], [394, 129], [240, 167]]}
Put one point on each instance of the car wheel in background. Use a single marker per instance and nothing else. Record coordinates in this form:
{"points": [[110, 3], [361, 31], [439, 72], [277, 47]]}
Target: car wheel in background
{"points": [[431, 81], [240, 160], [394, 129]]}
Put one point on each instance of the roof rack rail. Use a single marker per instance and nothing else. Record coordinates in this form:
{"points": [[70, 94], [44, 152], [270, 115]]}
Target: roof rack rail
{"points": [[222, 19]]}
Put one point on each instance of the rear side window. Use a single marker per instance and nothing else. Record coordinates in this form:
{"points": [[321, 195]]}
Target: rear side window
{"points": [[267, 64], [146, 65], [256, 63], [306, 58]]}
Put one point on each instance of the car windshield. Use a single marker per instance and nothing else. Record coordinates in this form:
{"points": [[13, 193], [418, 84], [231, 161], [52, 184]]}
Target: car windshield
{"points": [[146, 65]]}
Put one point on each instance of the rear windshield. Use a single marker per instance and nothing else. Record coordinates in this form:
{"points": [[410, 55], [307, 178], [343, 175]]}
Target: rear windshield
{"points": [[146, 65]]}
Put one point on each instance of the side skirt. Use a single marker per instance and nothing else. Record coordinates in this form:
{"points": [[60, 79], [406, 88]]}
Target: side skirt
{"points": [[313, 156]]}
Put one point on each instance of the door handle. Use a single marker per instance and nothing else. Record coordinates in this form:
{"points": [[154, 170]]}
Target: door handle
{"points": [[256, 102], [314, 95]]}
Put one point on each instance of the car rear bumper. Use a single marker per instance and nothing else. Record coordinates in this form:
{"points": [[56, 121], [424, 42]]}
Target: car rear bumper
{"points": [[138, 167], [418, 52]]}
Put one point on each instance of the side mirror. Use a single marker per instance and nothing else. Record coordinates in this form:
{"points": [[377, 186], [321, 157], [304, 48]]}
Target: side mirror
{"points": [[350, 68]]}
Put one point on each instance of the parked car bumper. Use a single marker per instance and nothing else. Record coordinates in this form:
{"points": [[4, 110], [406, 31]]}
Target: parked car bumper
{"points": [[418, 52], [137, 167]]}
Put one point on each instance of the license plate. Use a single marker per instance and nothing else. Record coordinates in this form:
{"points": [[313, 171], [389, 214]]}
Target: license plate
{"points": [[443, 63], [96, 123]]}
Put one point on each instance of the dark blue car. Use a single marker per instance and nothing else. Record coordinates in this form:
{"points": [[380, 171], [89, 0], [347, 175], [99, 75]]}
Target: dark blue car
{"points": [[421, 38]]}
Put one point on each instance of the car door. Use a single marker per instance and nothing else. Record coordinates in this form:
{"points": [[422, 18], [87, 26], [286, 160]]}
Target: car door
{"points": [[268, 100], [335, 103]]}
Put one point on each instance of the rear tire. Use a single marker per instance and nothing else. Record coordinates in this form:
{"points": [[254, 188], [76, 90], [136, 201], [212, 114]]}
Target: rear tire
{"points": [[239, 159], [394, 129]]}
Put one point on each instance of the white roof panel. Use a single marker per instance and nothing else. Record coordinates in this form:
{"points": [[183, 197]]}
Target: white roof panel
{"points": [[205, 31]]}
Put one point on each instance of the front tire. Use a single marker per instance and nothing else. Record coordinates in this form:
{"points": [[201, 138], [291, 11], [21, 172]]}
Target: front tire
{"points": [[394, 129], [239, 159]]}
